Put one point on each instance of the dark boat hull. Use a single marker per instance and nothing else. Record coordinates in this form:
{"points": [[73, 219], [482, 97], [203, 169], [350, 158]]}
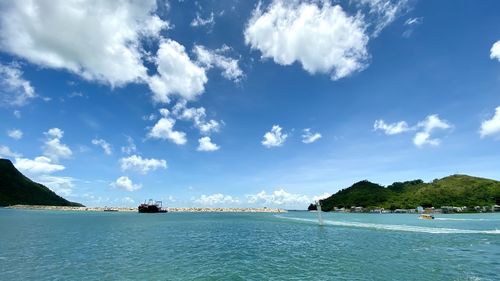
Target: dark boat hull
{"points": [[145, 208]]}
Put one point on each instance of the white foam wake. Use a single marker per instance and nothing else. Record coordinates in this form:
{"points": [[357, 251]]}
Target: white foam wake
{"points": [[460, 219], [399, 227]]}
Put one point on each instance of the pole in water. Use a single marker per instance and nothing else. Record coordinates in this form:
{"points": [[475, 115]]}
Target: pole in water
{"points": [[318, 207]]}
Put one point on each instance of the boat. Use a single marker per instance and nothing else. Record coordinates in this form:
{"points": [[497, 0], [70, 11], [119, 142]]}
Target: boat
{"points": [[426, 217], [151, 207]]}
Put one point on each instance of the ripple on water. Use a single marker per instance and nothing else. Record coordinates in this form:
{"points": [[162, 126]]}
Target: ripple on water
{"points": [[82, 246]]}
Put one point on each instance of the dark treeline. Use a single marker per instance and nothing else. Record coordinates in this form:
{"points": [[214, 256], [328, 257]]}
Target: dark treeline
{"points": [[455, 190]]}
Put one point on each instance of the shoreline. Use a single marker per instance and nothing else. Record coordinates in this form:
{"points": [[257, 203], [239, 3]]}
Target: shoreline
{"points": [[134, 209]]}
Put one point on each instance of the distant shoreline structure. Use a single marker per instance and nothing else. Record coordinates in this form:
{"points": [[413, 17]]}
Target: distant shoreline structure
{"points": [[134, 209]]}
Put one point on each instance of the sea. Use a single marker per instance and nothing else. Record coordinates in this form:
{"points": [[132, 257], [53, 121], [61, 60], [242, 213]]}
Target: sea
{"points": [[64, 245]]}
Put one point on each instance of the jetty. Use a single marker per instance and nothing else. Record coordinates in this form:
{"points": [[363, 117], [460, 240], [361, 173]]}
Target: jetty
{"points": [[134, 209]]}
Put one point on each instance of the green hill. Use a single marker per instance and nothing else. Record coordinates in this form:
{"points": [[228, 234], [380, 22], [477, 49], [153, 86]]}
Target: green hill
{"points": [[455, 190], [15, 188]]}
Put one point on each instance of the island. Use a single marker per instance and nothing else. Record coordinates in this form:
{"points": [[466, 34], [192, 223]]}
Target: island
{"points": [[455, 193], [16, 188]]}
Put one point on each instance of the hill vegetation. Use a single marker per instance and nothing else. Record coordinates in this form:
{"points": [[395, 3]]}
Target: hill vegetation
{"points": [[455, 190], [15, 188]]}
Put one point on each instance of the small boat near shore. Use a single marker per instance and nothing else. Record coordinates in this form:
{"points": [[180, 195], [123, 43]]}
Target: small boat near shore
{"points": [[426, 217], [151, 207]]}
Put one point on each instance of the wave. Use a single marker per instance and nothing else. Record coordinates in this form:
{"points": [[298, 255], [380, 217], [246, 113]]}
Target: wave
{"points": [[398, 227]]}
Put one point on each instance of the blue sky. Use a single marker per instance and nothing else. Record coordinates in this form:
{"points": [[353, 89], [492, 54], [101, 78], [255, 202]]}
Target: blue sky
{"points": [[235, 103]]}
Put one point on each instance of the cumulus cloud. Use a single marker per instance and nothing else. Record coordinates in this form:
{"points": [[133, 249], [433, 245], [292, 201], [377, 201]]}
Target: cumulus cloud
{"points": [[217, 198], [142, 165], [285, 30], [424, 129], [54, 133], [283, 198], [39, 165], [125, 183], [15, 134], [206, 144], [5, 152], [310, 137], [61, 185], [391, 129], [495, 51], [274, 138], [198, 116], [164, 129], [104, 145], [53, 147], [131, 147], [97, 40], [217, 58], [491, 126], [177, 74], [14, 89], [430, 124]]}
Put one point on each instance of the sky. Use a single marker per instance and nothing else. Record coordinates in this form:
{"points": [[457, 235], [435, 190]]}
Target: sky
{"points": [[246, 104]]}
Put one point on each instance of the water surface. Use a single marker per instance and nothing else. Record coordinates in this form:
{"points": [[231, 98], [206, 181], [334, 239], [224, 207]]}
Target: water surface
{"points": [[54, 245]]}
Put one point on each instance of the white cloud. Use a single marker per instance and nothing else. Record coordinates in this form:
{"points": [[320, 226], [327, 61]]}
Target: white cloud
{"points": [[54, 133], [310, 137], [491, 126], [216, 58], [322, 37], [14, 89], [321, 196], [199, 21], [63, 186], [97, 40], [77, 95], [39, 165], [15, 134], [217, 198], [274, 138], [430, 124], [17, 114], [177, 74], [163, 129], [53, 147], [381, 13], [411, 24], [125, 183], [495, 51], [283, 198], [142, 165], [5, 152], [424, 129], [414, 21], [391, 129], [104, 145], [198, 116], [206, 144], [131, 147]]}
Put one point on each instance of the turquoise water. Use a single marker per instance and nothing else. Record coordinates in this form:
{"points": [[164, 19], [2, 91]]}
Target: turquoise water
{"points": [[51, 245]]}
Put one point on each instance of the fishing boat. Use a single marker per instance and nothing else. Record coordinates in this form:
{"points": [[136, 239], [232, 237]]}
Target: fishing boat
{"points": [[151, 207], [426, 217]]}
